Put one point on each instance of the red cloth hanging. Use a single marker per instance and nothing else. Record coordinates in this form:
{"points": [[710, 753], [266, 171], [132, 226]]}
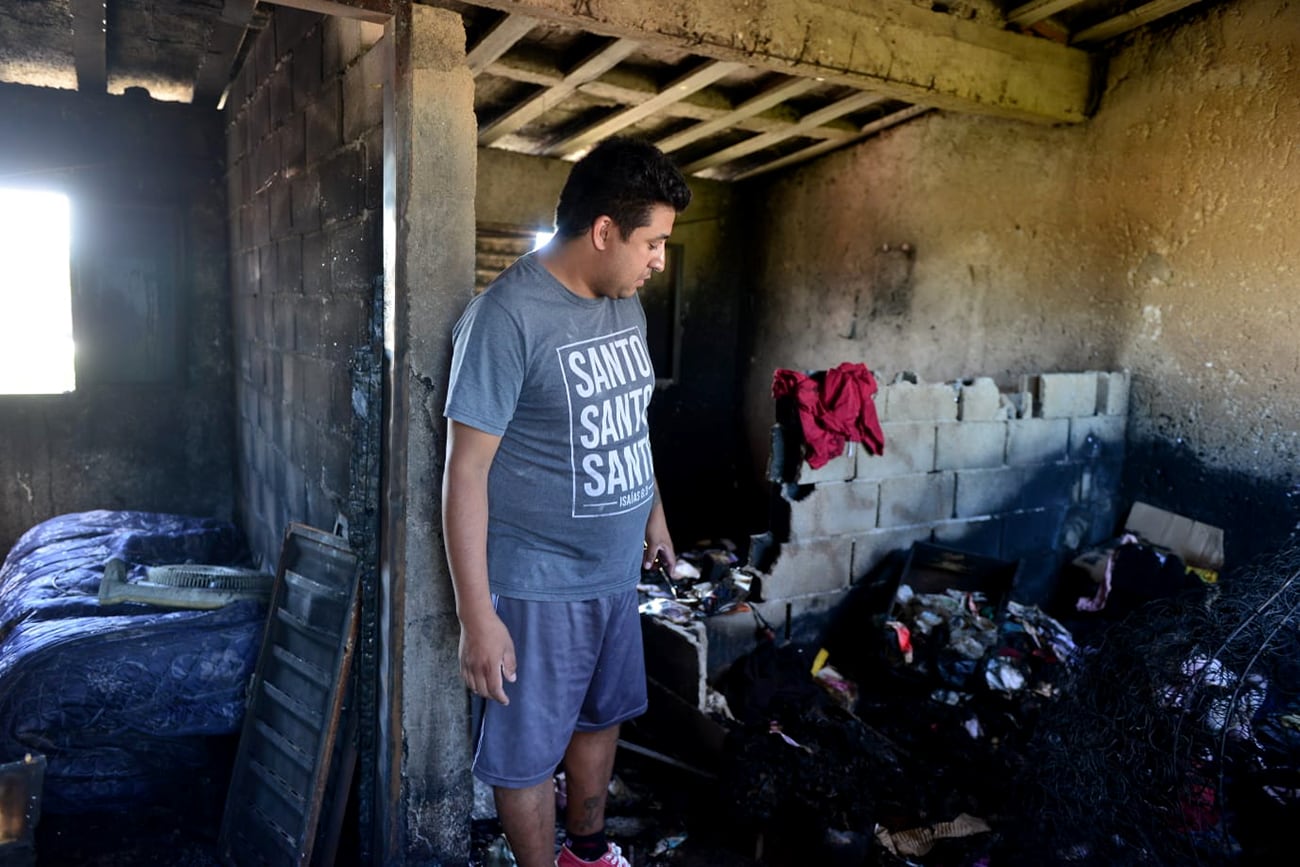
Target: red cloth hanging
{"points": [[834, 408]]}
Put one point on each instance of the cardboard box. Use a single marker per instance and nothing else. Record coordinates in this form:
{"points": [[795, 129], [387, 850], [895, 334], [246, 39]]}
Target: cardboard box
{"points": [[1199, 545]]}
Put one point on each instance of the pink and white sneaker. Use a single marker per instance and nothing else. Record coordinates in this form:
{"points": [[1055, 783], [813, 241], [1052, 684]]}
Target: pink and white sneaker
{"points": [[613, 857]]}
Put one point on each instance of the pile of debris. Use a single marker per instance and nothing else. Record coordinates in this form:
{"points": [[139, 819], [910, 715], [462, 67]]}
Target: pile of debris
{"points": [[1157, 721]]}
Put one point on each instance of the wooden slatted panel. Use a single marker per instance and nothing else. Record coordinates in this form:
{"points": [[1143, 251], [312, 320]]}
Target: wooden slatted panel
{"points": [[279, 780]]}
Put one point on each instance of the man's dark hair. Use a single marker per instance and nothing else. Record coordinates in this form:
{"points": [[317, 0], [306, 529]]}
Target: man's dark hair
{"points": [[622, 178]]}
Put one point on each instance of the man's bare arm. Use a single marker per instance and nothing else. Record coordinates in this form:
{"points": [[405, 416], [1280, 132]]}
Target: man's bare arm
{"points": [[657, 541], [487, 653]]}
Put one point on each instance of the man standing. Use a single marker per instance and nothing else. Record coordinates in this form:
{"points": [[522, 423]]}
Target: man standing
{"points": [[550, 507]]}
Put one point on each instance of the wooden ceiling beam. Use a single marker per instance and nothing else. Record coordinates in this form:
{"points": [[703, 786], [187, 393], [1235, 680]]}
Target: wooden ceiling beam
{"points": [[531, 109], [1130, 20], [373, 11], [632, 88], [891, 47], [89, 44], [504, 34], [1036, 10], [813, 119], [770, 98], [224, 41], [696, 80], [808, 153]]}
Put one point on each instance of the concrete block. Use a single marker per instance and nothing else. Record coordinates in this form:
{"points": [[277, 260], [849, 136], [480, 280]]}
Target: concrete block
{"points": [[307, 325], [282, 318], [288, 264], [870, 548], [343, 325], [260, 211], [291, 26], [1037, 440], [293, 142], [355, 259], [281, 92], [680, 655], [839, 469], [835, 509], [322, 506], [325, 122], [286, 365], [258, 116], [905, 401], [1112, 392], [363, 96], [1100, 436], [980, 536], [816, 566], [1035, 531], [979, 400], [268, 269], [1067, 395], [374, 158], [315, 265], [263, 53], [919, 499], [307, 67], [266, 161], [342, 43], [909, 448], [335, 459], [281, 210], [342, 186], [988, 492], [970, 445]]}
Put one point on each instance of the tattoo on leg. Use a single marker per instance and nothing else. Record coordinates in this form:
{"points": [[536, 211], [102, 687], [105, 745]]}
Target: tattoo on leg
{"points": [[587, 821]]}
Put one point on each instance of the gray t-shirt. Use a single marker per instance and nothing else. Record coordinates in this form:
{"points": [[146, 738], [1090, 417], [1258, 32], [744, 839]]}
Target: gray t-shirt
{"points": [[565, 382]]}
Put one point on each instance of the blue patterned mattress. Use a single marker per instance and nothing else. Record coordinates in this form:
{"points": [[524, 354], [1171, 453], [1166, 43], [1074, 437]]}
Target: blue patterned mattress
{"points": [[127, 702]]}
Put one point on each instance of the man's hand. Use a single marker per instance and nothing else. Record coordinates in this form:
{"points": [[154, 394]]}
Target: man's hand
{"points": [[658, 544], [487, 655]]}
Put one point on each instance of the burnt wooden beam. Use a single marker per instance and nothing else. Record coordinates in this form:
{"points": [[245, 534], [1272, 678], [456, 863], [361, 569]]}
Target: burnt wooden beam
{"points": [[505, 33], [693, 81], [627, 87], [769, 98], [1036, 10], [89, 44], [374, 11], [218, 61], [816, 150], [529, 110], [891, 47], [1130, 20], [813, 119]]}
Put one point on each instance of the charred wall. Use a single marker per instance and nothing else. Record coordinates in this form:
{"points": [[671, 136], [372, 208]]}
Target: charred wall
{"points": [[304, 138], [149, 425], [1156, 237]]}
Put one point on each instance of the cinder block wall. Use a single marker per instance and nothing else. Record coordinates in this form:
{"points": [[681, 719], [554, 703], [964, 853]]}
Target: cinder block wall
{"points": [[1021, 474], [304, 154]]}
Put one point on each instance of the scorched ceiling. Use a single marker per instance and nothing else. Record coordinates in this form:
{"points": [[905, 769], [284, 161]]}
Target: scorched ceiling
{"points": [[732, 88]]}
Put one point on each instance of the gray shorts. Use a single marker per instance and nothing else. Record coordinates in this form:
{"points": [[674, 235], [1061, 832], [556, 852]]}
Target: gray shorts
{"points": [[580, 668]]}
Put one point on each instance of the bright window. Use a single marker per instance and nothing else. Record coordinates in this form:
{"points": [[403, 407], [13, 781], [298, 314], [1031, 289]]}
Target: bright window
{"points": [[36, 351]]}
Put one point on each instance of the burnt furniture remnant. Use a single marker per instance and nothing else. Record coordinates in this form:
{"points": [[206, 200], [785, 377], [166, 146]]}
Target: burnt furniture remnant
{"points": [[286, 758]]}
